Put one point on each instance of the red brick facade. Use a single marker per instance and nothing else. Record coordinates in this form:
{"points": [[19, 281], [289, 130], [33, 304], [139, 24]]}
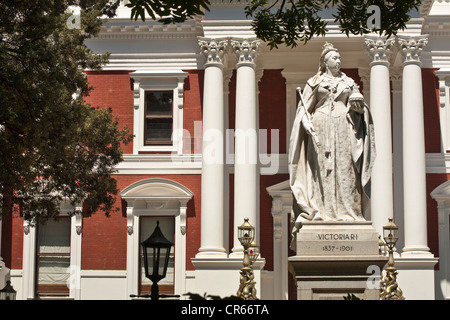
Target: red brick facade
{"points": [[104, 238]]}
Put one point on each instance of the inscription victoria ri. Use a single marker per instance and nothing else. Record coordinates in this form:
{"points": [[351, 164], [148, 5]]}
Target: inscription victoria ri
{"points": [[337, 236]]}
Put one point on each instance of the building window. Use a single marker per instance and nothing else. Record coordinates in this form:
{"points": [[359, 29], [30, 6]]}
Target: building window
{"points": [[148, 201], [158, 111], [158, 118], [147, 226], [53, 257]]}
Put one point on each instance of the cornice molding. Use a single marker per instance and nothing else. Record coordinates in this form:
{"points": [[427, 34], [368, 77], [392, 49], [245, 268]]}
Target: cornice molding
{"points": [[437, 26], [425, 7], [121, 28]]}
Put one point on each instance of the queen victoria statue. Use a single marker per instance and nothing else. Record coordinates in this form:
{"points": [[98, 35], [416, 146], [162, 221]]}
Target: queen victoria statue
{"points": [[332, 147]]}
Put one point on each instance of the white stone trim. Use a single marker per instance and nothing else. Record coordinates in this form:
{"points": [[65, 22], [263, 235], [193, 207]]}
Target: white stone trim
{"points": [[103, 273], [442, 196], [158, 80], [444, 110], [160, 197], [76, 227], [438, 162], [29, 260], [121, 26], [439, 7], [416, 277], [281, 207], [192, 164]]}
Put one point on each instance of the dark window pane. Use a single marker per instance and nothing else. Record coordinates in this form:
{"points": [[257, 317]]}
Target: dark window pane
{"points": [[147, 226], [159, 103], [158, 130]]}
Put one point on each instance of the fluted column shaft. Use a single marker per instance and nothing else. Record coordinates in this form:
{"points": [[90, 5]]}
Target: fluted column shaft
{"points": [[381, 205], [246, 168], [213, 157], [414, 174]]}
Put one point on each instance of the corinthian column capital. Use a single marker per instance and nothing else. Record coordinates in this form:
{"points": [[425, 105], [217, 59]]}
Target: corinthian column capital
{"points": [[379, 48], [246, 50], [411, 47], [213, 50]]}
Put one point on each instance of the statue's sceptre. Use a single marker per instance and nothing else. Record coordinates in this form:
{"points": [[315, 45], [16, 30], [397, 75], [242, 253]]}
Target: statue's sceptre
{"points": [[308, 116]]}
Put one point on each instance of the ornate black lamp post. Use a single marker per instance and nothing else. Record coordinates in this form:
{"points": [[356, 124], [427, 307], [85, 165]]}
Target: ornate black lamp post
{"points": [[156, 250], [8, 292]]}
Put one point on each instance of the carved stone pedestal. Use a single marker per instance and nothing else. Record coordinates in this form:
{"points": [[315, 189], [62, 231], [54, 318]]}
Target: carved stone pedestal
{"points": [[335, 259]]}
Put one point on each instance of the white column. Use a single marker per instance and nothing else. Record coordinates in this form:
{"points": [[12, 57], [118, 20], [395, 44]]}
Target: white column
{"points": [[381, 204], [213, 157], [246, 169], [414, 176]]}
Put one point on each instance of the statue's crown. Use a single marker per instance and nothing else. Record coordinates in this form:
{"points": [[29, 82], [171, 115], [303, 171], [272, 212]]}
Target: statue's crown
{"points": [[327, 47]]}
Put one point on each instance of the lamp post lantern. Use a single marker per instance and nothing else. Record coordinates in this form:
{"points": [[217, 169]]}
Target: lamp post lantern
{"points": [[246, 236], [389, 289], [8, 292], [156, 250]]}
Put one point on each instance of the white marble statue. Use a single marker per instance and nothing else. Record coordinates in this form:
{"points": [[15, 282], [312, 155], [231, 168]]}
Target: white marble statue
{"points": [[332, 147]]}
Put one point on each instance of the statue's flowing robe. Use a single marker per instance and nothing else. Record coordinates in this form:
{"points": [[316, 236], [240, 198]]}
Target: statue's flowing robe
{"points": [[331, 181]]}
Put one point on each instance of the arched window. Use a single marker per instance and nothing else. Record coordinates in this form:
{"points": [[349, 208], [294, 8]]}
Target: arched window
{"points": [[148, 201]]}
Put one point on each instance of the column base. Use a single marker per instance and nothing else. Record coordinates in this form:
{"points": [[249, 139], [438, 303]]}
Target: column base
{"points": [[212, 252], [416, 275], [416, 250], [221, 276], [237, 254]]}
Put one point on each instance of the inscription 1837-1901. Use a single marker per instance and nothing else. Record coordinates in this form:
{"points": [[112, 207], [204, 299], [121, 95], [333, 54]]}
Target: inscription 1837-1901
{"points": [[337, 237]]}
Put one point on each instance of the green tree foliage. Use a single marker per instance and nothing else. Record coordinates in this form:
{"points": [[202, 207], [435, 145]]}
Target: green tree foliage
{"points": [[167, 11], [291, 22], [53, 145]]}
